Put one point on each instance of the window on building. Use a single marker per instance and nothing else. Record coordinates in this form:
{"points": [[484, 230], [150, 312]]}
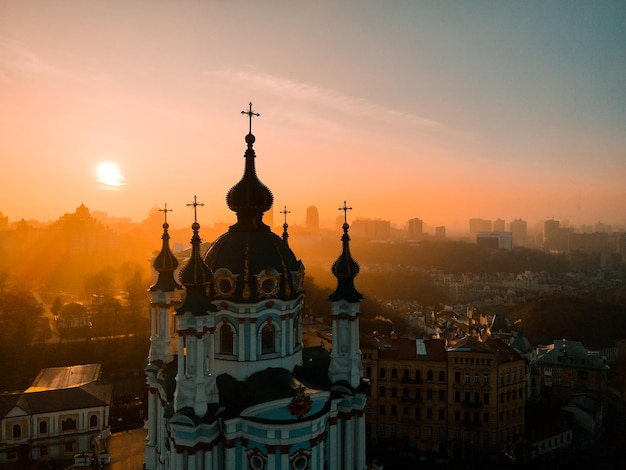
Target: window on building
{"points": [[457, 396], [486, 417], [466, 397], [382, 373], [429, 431], [417, 431], [405, 411], [418, 375], [405, 393], [394, 374], [69, 447], [405, 374], [457, 416], [381, 427], [418, 413], [393, 429], [268, 339], [68, 424], [466, 436], [429, 375], [381, 410], [486, 398], [93, 421], [476, 378], [442, 394], [485, 436], [429, 413], [486, 378], [381, 392], [442, 376], [457, 377], [43, 427], [226, 339], [368, 372], [405, 429], [43, 451], [429, 394], [394, 410], [467, 378], [17, 431], [442, 414], [394, 392]]}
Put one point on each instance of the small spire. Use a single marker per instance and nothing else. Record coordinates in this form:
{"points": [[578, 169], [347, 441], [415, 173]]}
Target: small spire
{"points": [[345, 268], [165, 262], [196, 275], [285, 226]]}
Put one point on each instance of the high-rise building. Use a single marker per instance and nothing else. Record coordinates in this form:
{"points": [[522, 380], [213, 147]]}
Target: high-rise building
{"points": [[231, 385], [479, 225], [416, 227], [519, 229], [498, 225], [312, 219]]}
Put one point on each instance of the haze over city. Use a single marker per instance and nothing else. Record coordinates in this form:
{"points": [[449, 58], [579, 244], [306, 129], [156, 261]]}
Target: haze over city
{"points": [[438, 110]]}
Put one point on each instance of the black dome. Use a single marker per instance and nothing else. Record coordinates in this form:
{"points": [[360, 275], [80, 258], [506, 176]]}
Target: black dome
{"points": [[251, 265]]}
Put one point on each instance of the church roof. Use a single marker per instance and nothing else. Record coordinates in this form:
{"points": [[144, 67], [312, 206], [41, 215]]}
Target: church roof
{"points": [[165, 264], [251, 262]]}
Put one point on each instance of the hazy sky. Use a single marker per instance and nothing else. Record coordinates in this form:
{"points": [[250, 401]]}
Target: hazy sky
{"points": [[442, 110]]}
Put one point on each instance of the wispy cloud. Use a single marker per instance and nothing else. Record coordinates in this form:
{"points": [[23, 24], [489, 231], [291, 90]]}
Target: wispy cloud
{"points": [[330, 98], [18, 61]]}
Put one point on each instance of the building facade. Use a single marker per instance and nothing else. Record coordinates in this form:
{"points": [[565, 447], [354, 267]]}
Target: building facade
{"points": [[230, 384], [63, 413]]}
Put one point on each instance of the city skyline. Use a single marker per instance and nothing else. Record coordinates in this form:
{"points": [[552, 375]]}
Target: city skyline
{"points": [[444, 112]]}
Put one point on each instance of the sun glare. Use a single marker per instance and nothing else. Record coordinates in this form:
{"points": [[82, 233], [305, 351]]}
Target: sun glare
{"points": [[109, 174]]}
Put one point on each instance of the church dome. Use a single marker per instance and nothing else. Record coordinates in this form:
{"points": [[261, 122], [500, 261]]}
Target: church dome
{"points": [[250, 262]]}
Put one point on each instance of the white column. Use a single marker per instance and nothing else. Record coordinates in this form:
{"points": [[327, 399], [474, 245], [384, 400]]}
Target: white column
{"points": [[359, 445], [252, 338], [241, 354], [283, 338], [348, 443], [211, 352]]}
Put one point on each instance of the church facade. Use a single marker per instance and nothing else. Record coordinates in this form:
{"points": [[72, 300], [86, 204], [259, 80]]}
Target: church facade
{"points": [[230, 384]]}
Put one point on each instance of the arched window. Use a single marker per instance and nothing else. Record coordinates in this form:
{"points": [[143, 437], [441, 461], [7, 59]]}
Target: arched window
{"points": [[43, 427], [93, 421], [68, 424], [268, 339], [226, 339], [17, 431]]}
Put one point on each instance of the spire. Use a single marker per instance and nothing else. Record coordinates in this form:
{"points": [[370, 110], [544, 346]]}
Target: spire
{"points": [[196, 275], [165, 262], [285, 226], [345, 268], [250, 198]]}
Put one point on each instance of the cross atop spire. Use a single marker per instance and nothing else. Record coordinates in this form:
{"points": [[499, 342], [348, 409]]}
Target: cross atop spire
{"points": [[165, 210], [195, 205], [345, 210], [285, 212], [250, 114]]}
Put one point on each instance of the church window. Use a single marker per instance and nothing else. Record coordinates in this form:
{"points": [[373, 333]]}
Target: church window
{"points": [[17, 431], [268, 283], [300, 462], [93, 421], [68, 424], [225, 283], [268, 339], [256, 460], [43, 427], [226, 339]]}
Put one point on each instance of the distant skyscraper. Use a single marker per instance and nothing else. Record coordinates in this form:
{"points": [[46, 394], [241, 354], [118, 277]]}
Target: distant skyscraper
{"points": [[498, 225], [519, 229], [415, 229], [373, 229], [479, 225], [440, 232], [312, 219]]}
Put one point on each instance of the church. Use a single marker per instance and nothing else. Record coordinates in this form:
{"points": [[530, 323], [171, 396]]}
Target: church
{"points": [[230, 384]]}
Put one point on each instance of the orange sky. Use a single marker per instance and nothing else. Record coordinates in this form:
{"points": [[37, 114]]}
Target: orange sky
{"points": [[438, 111]]}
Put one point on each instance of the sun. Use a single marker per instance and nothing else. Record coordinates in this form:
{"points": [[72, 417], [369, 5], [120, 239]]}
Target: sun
{"points": [[109, 174]]}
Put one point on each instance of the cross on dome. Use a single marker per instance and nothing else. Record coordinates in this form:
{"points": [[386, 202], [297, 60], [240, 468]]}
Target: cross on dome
{"points": [[195, 205], [165, 210], [285, 212], [250, 114], [345, 210]]}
